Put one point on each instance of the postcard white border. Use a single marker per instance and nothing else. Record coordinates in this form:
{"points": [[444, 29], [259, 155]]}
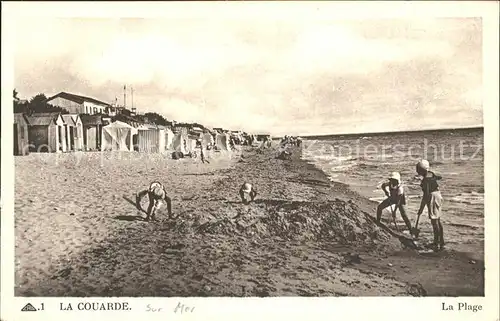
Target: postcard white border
{"points": [[267, 308]]}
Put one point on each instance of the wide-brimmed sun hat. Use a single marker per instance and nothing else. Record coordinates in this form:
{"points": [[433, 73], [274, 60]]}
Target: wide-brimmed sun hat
{"points": [[246, 187], [396, 176], [424, 164]]}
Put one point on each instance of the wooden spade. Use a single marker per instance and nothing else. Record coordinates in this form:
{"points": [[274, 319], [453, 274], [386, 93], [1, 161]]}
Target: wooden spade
{"points": [[416, 231]]}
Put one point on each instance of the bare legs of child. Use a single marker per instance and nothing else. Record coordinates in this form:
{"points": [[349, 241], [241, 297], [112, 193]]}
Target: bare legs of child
{"points": [[154, 204], [402, 210], [434, 207], [138, 198], [437, 228]]}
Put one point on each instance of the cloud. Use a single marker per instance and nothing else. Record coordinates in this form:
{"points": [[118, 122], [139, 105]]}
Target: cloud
{"points": [[279, 76]]}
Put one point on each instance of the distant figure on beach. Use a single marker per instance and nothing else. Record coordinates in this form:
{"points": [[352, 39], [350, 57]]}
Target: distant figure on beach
{"points": [[269, 142], [433, 199], [202, 155], [284, 141], [232, 143], [157, 194], [395, 196], [299, 141], [247, 189], [292, 140]]}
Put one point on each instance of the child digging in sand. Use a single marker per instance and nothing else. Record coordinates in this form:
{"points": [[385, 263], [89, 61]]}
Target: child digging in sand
{"points": [[247, 189], [433, 200], [156, 193], [395, 196]]}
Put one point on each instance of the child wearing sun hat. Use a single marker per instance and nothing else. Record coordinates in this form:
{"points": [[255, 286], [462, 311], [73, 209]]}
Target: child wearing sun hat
{"points": [[394, 191], [433, 200], [157, 194], [247, 189]]}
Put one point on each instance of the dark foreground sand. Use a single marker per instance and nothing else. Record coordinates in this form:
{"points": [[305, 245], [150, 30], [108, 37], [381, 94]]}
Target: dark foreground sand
{"points": [[78, 233]]}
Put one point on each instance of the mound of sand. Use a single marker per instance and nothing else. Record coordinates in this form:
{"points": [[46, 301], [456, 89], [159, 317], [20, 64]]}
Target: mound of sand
{"points": [[337, 220]]}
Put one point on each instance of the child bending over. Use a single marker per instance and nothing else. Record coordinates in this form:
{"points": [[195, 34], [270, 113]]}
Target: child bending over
{"points": [[157, 194], [395, 196], [247, 189]]}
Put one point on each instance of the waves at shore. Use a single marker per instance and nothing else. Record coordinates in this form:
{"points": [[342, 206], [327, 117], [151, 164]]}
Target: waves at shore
{"points": [[363, 164]]}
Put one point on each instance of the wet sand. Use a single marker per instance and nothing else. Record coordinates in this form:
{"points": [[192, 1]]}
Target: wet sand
{"points": [[79, 234]]}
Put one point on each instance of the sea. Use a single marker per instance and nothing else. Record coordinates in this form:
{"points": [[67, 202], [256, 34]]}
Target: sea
{"points": [[365, 161]]}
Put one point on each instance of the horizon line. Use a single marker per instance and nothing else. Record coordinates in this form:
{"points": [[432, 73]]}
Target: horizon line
{"points": [[394, 131]]}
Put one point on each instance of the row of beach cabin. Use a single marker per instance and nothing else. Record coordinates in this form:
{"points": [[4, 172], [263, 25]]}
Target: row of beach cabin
{"points": [[54, 132]]}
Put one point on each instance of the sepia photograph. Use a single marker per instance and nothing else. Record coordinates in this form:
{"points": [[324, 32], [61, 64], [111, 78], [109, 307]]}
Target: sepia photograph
{"points": [[246, 156]]}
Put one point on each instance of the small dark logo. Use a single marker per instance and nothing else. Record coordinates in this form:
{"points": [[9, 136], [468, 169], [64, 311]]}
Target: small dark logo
{"points": [[28, 307]]}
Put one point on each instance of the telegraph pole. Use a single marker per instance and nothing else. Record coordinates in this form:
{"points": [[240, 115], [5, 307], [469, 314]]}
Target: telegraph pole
{"points": [[132, 95], [125, 96]]}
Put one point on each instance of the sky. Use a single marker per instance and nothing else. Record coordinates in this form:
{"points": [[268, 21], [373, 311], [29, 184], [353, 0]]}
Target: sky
{"points": [[270, 75]]}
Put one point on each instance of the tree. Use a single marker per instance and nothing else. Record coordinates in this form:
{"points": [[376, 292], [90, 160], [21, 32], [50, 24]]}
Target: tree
{"points": [[156, 118], [38, 104]]}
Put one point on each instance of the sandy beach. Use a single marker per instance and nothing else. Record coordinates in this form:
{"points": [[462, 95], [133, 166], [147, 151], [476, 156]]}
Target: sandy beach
{"points": [[78, 232]]}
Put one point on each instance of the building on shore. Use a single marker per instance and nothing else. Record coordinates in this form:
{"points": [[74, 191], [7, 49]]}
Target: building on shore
{"points": [[148, 139], [92, 131], [118, 136], [21, 142], [79, 144], [77, 104], [181, 128], [69, 131], [219, 130], [46, 132], [196, 130]]}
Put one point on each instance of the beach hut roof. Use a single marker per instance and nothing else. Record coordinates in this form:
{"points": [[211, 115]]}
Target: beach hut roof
{"points": [[75, 118], [147, 126], [51, 113], [91, 120], [40, 120], [134, 122], [68, 119], [197, 128], [20, 116], [118, 124]]}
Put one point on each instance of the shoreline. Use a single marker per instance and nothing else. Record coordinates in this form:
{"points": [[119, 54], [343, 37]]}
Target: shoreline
{"points": [[473, 255], [277, 246], [457, 220]]}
